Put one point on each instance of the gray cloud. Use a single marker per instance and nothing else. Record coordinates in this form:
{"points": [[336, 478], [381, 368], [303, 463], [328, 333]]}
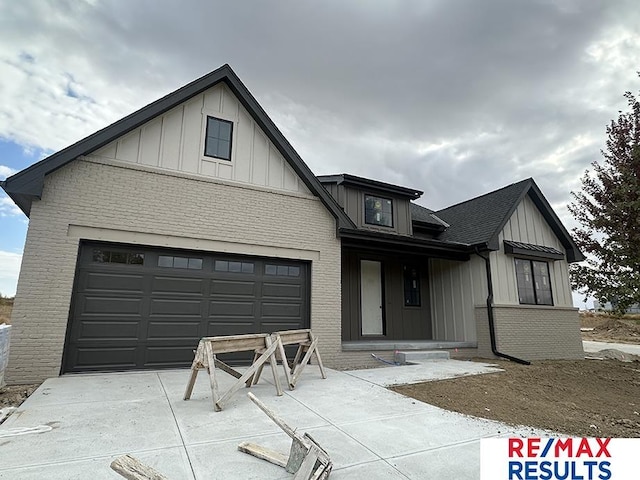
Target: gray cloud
{"points": [[454, 98]]}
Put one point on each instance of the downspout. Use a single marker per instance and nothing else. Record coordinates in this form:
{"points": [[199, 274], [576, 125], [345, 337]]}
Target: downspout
{"points": [[492, 330]]}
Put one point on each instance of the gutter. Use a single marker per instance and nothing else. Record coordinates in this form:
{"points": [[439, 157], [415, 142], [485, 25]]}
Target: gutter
{"points": [[492, 326]]}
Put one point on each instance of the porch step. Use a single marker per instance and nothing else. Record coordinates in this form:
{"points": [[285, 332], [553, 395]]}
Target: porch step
{"points": [[421, 356]]}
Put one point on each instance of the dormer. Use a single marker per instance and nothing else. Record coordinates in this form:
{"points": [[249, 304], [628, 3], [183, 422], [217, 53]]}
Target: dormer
{"points": [[373, 205]]}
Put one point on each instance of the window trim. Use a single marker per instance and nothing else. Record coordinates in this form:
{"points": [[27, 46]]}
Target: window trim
{"points": [[206, 137], [364, 210], [535, 292]]}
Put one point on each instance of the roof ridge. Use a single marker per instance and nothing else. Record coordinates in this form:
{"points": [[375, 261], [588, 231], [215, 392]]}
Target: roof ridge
{"points": [[526, 180]]}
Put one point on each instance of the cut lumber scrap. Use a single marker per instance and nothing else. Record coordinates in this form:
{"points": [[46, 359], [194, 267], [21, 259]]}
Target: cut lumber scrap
{"points": [[307, 344], [307, 460], [132, 469], [258, 451]]}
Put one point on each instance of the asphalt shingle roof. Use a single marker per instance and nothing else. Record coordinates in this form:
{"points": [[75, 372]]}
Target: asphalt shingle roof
{"points": [[479, 219], [424, 215]]}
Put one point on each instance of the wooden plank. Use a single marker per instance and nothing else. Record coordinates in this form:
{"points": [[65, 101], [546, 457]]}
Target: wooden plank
{"points": [[289, 337], [276, 458], [273, 362], [299, 368], [273, 416], [248, 374], [132, 469], [285, 362], [227, 369], [308, 466], [211, 366]]}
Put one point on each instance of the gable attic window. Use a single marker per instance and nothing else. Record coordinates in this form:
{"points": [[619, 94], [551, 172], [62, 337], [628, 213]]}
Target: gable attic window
{"points": [[217, 143], [378, 211]]}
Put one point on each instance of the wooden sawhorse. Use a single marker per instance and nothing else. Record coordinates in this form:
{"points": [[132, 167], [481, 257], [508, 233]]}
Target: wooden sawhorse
{"points": [[205, 358], [307, 343]]}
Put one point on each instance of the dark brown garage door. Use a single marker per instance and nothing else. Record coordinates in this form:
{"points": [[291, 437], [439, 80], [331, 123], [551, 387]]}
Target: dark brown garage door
{"points": [[144, 308]]}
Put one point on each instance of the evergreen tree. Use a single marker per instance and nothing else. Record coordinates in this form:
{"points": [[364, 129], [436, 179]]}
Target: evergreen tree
{"points": [[608, 210]]}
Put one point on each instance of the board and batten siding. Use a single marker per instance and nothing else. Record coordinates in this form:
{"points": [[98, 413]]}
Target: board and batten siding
{"points": [[175, 141], [352, 201], [456, 288], [527, 225]]}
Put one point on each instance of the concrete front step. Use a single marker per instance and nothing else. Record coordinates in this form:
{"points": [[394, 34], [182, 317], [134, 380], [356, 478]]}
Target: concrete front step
{"points": [[421, 356]]}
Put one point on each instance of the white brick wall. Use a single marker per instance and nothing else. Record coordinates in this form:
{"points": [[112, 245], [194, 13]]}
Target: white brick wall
{"points": [[531, 333], [93, 195]]}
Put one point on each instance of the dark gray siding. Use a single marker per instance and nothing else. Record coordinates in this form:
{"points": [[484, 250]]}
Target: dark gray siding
{"points": [[401, 322]]}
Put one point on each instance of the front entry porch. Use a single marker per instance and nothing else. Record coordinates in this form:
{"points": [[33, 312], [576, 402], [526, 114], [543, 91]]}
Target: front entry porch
{"points": [[386, 297]]}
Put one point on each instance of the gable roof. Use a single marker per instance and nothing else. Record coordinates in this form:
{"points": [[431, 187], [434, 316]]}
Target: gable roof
{"points": [[480, 220], [27, 184]]}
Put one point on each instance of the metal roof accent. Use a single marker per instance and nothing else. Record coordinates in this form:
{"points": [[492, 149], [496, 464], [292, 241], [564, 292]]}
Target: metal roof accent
{"points": [[519, 248]]}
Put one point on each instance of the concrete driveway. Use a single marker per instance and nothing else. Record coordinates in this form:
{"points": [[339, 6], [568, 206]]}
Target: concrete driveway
{"points": [[370, 432]]}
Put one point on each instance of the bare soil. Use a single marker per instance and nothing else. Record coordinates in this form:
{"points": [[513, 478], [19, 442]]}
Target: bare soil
{"points": [[14, 395], [5, 310], [599, 396], [607, 328]]}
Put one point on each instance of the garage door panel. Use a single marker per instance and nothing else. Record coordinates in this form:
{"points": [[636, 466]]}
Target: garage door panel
{"points": [[171, 329], [108, 330], [113, 305], [169, 356], [239, 327], [176, 307], [113, 282], [176, 285], [279, 324], [233, 287], [234, 309], [281, 310], [138, 315], [272, 290], [105, 357]]}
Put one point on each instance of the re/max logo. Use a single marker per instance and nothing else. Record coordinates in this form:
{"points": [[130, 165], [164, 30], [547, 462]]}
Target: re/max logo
{"points": [[557, 448]]}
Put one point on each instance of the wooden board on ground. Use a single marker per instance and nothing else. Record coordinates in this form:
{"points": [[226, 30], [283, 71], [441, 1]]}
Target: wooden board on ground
{"points": [[307, 459]]}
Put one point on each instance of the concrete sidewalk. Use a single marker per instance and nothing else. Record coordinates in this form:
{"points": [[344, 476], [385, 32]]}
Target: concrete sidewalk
{"points": [[369, 431]]}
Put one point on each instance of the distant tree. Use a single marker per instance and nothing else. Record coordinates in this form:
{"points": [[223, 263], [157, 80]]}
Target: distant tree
{"points": [[608, 210]]}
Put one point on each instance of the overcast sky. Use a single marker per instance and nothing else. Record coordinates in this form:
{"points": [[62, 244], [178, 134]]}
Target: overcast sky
{"points": [[455, 98]]}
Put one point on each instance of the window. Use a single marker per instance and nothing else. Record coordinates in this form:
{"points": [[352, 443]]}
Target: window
{"points": [[233, 267], [378, 211], [411, 287], [534, 287], [108, 256], [169, 261], [282, 270], [218, 138]]}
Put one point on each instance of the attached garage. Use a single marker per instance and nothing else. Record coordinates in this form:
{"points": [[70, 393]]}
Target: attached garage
{"points": [[137, 307]]}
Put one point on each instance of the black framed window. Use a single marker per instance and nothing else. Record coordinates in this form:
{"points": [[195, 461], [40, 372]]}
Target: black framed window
{"points": [[170, 261], [411, 287], [282, 270], [233, 266], [534, 284], [218, 138], [108, 256], [378, 211]]}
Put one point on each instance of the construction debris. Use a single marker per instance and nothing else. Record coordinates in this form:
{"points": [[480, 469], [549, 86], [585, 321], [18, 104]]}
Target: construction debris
{"points": [[307, 459], [132, 469]]}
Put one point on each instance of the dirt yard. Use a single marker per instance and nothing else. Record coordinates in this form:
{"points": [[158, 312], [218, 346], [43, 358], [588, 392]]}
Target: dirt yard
{"points": [[582, 397], [5, 310], [611, 329], [592, 397]]}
